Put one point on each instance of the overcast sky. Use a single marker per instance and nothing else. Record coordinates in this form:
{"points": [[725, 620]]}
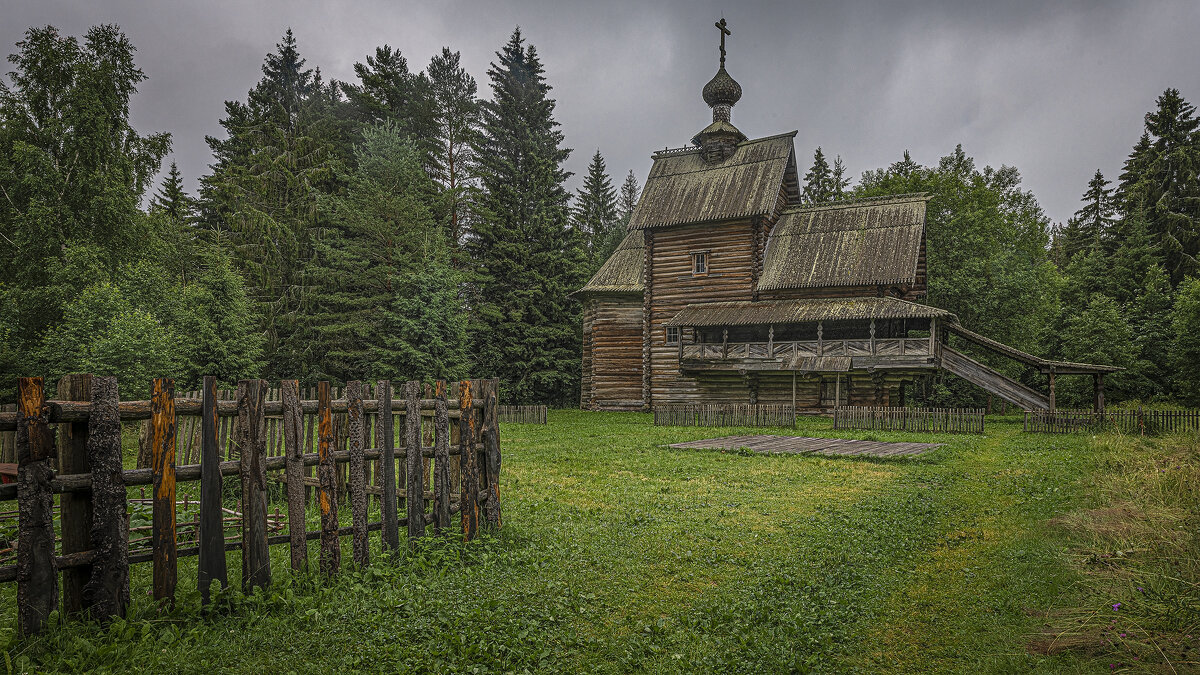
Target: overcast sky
{"points": [[1057, 89]]}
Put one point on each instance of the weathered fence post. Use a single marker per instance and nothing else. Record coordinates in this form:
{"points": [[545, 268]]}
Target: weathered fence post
{"points": [[385, 439], [75, 515], [294, 450], [252, 445], [358, 473], [106, 593], [162, 463], [331, 549], [468, 495], [414, 500], [491, 451], [37, 572], [212, 530], [441, 459]]}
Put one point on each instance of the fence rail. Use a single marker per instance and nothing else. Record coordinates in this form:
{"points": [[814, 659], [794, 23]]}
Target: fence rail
{"points": [[523, 414], [1144, 422], [929, 420], [96, 541], [724, 415]]}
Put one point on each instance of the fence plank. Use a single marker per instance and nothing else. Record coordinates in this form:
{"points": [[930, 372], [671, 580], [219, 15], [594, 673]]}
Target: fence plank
{"points": [[75, 510], [414, 500], [292, 428], [106, 593], [162, 462], [212, 564], [37, 573], [469, 493], [491, 450], [441, 459], [385, 439], [331, 550], [252, 449], [358, 473]]}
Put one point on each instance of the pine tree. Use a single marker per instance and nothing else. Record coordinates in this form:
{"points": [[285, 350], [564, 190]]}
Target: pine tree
{"points": [[456, 115], [595, 214], [527, 257], [387, 91], [818, 182]]}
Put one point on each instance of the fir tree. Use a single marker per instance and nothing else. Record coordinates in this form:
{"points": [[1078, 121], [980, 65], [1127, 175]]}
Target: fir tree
{"points": [[630, 191], [595, 213], [838, 183], [1185, 347], [1093, 221], [527, 257], [456, 115], [818, 182]]}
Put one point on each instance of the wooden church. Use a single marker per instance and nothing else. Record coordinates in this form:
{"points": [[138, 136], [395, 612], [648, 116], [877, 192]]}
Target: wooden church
{"points": [[727, 289]]}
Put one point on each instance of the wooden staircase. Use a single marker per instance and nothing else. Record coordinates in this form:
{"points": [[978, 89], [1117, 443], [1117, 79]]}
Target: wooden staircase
{"points": [[976, 373]]}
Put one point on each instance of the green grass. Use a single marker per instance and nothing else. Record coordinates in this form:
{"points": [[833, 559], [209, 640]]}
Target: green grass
{"points": [[621, 555]]}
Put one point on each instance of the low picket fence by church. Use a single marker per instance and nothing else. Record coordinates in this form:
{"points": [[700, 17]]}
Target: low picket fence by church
{"points": [[523, 414], [894, 418], [1140, 422], [724, 415]]}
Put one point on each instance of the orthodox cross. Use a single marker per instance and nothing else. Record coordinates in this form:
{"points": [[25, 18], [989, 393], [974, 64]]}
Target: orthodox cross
{"points": [[724, 31]]}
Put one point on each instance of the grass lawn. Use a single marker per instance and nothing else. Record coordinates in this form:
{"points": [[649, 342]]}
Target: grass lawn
{"points": [[998, 553]]}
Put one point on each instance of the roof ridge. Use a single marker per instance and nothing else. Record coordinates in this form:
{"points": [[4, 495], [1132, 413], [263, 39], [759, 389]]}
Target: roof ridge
{"points": [[688, 149], [861, 201]]}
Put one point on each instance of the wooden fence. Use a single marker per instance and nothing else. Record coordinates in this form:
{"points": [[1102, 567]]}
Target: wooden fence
{"points": [[724, 415], [96, 545], [928, 420], [1143, 422], [523, 414]]}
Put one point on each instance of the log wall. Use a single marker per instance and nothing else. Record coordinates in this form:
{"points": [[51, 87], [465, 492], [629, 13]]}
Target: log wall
{"points": [[612, 352]]}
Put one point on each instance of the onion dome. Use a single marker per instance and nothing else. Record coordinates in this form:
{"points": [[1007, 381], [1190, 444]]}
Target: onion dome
{"points": [[722, 90]]}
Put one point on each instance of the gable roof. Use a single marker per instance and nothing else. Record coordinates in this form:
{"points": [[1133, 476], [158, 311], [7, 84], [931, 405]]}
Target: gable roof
{"points": [[682, 188], [622, 272], [749, 313], [857, 243]]}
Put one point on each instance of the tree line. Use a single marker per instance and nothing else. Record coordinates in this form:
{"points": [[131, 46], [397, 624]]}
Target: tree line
{"points": [[401, 225]]}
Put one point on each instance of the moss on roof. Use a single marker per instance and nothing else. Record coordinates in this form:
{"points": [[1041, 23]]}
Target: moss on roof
{"points": [[622, 272], [799, 311], [876, 241]]}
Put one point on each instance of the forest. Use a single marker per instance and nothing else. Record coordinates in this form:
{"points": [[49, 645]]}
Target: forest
{"points": [[406, 225]]}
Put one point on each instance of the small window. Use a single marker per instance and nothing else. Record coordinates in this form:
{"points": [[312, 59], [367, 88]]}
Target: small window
{"points": [[700, 262], [672, 335]]}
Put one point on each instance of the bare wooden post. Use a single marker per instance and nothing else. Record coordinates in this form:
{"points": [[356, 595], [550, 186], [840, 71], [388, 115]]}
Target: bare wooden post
{"points": [[415, 497], [441, 459], [1099, 384], [75, 515], [1051, 388], [331, 549], [292, 428], [162, 462], [212, 565], [106, 593], [37, 572], [469, 492], [358, 473], [386, 441], [252, 444], [491, 452]]}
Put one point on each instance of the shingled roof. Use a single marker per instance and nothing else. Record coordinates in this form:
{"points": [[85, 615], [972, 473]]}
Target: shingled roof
{"points": [[857, 243], [622, 272], [682, 188], [749, 313]]}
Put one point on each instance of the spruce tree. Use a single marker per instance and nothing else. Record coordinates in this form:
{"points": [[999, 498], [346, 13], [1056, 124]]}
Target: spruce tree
{"points": [[1133, 259], [838, 182], [595, 214], [1098, 334], [630, 191], [456, 116], [1093, 221], [174, 212], [387, 91], [527, 257], [1150, 319], [1185, 347], [818, 182]]}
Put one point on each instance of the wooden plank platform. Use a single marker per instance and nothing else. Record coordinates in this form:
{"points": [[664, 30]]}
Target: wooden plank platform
{"points": [[799, 445]]}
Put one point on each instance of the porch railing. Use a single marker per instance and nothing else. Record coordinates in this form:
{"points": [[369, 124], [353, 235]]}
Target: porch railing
{"points": [[805, 348]]}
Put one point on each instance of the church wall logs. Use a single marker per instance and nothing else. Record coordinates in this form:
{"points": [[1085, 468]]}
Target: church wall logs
{"points": [[612, 352]]}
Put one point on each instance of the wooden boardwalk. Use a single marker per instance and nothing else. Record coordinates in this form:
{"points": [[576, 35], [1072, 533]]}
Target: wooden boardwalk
{"points": [[799, 445]]}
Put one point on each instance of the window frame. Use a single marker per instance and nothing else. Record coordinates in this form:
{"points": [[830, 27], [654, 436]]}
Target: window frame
{"points": [[700, 258], [667, 336]]}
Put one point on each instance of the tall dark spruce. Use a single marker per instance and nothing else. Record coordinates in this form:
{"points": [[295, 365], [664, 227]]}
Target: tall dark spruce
{"points": [[595, 214], [527, 255]]}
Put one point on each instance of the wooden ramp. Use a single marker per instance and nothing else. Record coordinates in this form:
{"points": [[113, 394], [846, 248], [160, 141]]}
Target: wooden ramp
{"points": [[987, 379], [799, 445]]}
